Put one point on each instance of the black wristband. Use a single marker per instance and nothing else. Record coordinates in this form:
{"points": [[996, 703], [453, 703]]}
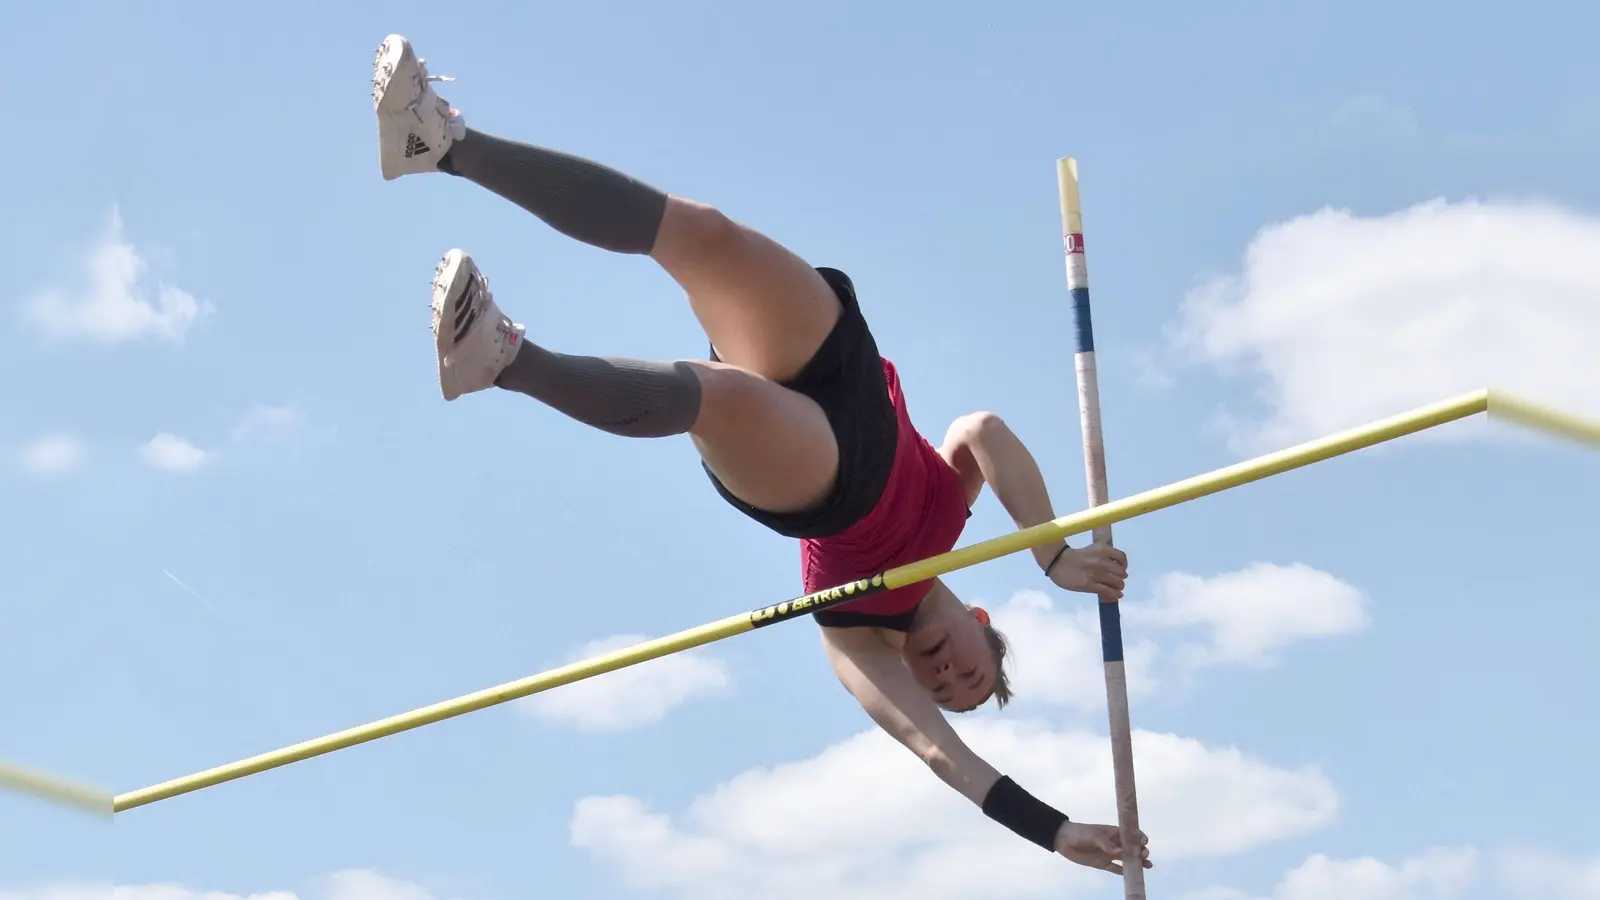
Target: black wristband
{"points": [[1023, 813]]}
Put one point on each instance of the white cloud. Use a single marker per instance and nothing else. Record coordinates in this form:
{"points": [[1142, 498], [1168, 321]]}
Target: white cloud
{"points": [[1217, 893], [1439, 874], [1346, 319], [628, 698], [260, 425], [1055, 654], [1246, 617], [61, 892], [365, 884], [52, 454], [1251, 615], [1537, 874], [1372, 116], [1442, 873], [171, 453], [864, 820], [112, 305], [355, 884], [133, 892], [264, 423]]}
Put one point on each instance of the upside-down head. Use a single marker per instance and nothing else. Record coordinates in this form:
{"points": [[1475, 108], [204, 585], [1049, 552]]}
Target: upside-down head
{"points": [[956, 654]]}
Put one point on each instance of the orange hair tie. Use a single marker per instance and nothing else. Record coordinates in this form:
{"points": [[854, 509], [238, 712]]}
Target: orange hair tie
{"points": [[981, 614]]}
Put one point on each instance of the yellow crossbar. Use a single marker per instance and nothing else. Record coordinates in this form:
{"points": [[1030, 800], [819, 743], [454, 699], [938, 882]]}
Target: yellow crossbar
{"points": [[1388, 429], [54, 789]]}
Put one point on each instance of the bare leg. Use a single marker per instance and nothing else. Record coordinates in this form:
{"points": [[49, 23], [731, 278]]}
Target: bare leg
{"points": [[731, 413], [765, 309]]}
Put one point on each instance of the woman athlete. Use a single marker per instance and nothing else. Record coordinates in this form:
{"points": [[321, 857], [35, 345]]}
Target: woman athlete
{"points": [[800, 424]]}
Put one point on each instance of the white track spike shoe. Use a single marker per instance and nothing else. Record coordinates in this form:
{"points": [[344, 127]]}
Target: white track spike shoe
{"points": [[474, 339], [415, 125]]}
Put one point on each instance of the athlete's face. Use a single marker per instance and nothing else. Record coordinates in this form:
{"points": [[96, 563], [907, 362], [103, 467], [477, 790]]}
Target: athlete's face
{"points": [[951, 658]]}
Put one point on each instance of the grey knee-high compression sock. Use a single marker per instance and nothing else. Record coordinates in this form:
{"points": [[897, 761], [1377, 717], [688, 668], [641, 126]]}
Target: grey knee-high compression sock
{"points": [[579, 198], [630, 397]]}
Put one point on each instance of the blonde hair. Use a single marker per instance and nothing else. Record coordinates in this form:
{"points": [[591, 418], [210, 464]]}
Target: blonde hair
{"points": [[998, 646]]}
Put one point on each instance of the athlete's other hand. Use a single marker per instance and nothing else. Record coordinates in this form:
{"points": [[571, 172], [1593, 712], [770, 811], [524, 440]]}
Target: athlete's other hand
{"points": [[1097, 846], [1096, 569]]}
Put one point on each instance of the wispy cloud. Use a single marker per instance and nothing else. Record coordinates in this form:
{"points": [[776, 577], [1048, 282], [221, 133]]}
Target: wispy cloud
{"points": [[112, 304], [631, 697], [191, 591], [1440, 873], [52, 454], [1371, 123], [270, 424], [1372, 116], [171, 453], [263, 425], [351, 884], [1541, 875]]}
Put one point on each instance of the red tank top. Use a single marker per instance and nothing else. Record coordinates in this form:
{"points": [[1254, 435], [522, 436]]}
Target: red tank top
{"points": [[921, 513]]}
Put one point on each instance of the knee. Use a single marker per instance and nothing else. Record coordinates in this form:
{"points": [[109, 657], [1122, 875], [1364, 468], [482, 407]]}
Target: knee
{"points": [[974, 428], [729, 395], [699, 227]]}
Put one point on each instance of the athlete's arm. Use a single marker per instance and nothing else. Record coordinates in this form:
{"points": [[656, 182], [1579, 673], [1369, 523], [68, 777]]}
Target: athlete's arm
{"points": [[874, 672], [984, 450]]}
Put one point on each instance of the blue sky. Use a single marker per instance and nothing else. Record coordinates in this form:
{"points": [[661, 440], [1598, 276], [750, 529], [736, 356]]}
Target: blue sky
{"points": [[235, 514]]}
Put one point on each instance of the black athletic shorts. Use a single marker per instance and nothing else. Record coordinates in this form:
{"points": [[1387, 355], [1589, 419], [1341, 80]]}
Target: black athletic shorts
{"points": [[845, 378]]}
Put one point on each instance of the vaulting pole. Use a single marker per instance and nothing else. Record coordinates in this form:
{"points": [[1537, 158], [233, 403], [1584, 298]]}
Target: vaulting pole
{"points": [[1094, 461]]}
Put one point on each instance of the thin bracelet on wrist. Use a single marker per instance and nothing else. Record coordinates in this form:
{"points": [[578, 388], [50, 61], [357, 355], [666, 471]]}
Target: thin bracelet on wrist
{"points": [[1057, 558]]}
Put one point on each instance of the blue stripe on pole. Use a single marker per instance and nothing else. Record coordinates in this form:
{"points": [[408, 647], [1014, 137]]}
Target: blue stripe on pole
{"points": [[1110, 631], [1080, 314]]}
